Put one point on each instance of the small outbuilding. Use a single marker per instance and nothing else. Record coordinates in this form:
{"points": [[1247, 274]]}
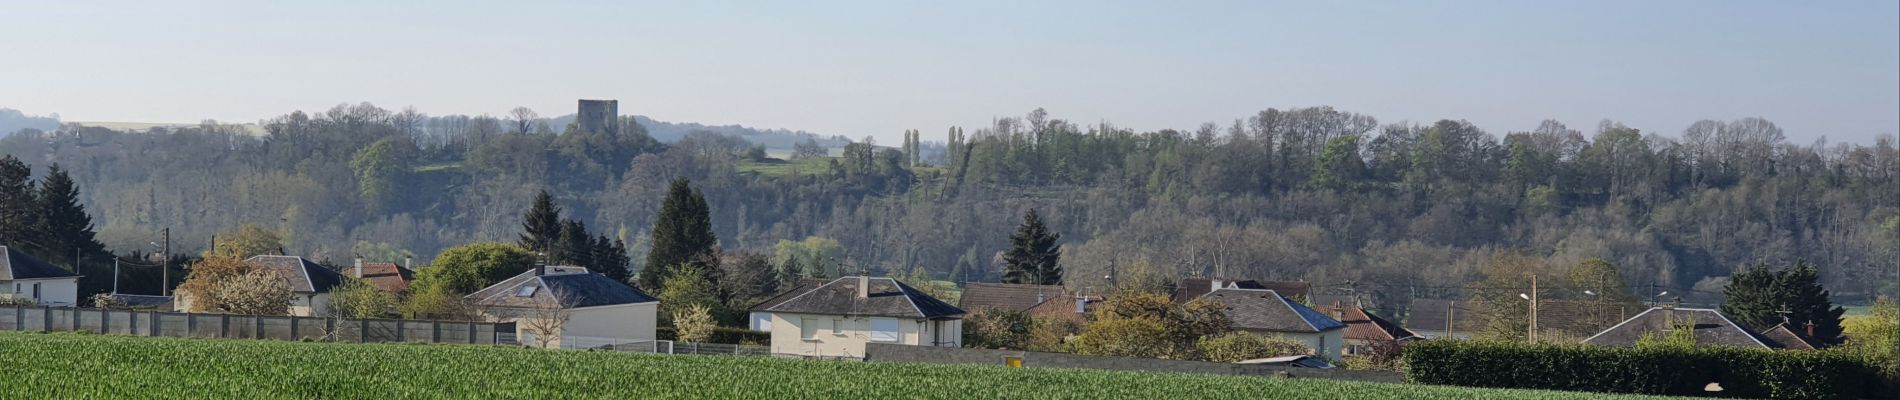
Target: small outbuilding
{"points": [[838, 318], [25, 277]]}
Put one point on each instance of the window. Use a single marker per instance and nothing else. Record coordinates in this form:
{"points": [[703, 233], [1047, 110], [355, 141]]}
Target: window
{"points": [[762, 322], [808, 328], [837, 327], [36, 291], [883, 330], [525, 291]]}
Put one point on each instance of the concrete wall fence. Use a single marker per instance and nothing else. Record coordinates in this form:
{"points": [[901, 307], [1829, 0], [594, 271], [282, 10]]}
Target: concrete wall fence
{"points": [[882, 352], [189, 325]]}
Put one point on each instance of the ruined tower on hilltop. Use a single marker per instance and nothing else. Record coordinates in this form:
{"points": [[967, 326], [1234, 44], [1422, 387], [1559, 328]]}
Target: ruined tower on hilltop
{"points": [[599, 115]]}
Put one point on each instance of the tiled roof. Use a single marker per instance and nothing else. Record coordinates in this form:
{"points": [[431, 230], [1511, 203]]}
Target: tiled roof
{"points": [[1064, 307], [1009, 296], [388, 276], [17, 265], [887, 298], [1362, 325], [804, 285], [304, 276], [1781, 336], [1711, 328], [568, 287], [1193, 288], [1266, 310]]}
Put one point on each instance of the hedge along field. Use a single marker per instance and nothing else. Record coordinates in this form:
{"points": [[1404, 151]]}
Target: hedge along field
{"points": [[94, 366]]}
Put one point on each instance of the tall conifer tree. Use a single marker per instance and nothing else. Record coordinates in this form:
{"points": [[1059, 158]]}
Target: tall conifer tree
{"points": [[541, 226], [1033, 257], [681, 234]]}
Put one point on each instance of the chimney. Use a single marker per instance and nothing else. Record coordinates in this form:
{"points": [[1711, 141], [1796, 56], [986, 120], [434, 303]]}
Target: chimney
{"points": [[409, 263], [1039, 298], [1216, 284], [1082, 303], [359, 268], [864, 286], [1810, 328]]}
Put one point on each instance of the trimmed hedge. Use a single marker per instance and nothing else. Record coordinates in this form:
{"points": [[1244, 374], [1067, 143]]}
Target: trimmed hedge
{"points": [[1753, 373], [722, 335]]}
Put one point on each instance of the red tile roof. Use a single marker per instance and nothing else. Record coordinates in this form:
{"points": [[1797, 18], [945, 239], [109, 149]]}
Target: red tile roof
{"points": [[1362, 325], [388, 276]]}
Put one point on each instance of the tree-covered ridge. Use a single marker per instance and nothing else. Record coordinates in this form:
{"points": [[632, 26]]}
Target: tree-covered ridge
{"points": [[1307, 193]]}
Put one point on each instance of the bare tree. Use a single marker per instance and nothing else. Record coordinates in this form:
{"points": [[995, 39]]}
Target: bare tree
{"points": [[544, 320], [524, 118]]}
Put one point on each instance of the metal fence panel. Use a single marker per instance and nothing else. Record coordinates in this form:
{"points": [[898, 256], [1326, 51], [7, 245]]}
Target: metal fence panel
{"points": [[276, 328], [172, 325]]}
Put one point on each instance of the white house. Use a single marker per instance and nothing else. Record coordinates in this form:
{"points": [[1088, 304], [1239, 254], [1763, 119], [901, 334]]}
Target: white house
{"points": [[570, 307], [1265, 312], [838, 318], [25, 277], [309, 282]]}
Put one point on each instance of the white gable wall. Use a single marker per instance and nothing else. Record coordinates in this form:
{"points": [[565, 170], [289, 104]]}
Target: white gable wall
{"points": [[52, 291]]}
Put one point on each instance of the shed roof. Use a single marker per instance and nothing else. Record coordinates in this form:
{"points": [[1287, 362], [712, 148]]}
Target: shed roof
{"points": [[1193, 288]]}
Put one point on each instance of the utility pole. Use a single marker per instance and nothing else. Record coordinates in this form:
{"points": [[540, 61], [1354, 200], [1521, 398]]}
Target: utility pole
{"points": [[115, 275], [1533, 332], [164, 266]]}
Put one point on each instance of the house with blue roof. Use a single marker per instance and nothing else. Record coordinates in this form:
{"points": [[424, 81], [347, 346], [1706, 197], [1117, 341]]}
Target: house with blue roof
{"points": [[1266, 312], [570, 307]]}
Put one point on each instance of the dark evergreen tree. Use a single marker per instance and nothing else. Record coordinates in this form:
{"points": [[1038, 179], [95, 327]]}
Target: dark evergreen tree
{"points": [[575, 246], [682, 233], [1761, 298], [18, 208], [610, 258], [1033, 257], [64, 226], [541, 226]]}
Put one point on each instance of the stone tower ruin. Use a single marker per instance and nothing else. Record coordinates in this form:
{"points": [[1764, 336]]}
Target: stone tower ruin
{"points": [[599, 116]]}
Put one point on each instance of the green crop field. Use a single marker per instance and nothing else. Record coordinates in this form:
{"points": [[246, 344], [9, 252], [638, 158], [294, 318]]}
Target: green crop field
{"points": [[94, 366]]}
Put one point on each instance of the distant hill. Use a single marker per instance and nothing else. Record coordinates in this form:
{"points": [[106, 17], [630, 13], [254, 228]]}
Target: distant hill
{"points": [[12, 120], [669, 132]]}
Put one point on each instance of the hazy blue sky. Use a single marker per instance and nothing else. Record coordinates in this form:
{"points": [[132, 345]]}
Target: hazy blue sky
{"points": [[878, 67]]}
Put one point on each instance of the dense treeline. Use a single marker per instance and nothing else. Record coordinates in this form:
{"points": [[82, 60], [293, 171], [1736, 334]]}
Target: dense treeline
{"points": [[1307, 193]]}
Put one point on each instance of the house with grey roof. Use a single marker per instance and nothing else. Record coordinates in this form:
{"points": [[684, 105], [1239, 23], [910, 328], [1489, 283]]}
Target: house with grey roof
{"points": [[25, 277], [1266, 312], [1710, 328], [838, 318], [569, 307]]}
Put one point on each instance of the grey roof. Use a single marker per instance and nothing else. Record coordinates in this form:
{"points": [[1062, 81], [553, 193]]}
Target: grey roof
{"points": [[140, 300], [569, 287], [1193, 288], [1711, 328], [1009, 296], [17, 265], [305, 276], [1433, 314], [804, 285], [1266, 310], [887, 298], [1783, 337]]}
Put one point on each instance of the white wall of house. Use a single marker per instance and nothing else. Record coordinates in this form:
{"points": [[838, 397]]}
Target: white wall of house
{"points": [[623, 322], [309, 304], [48, 292], [813, 335], [587, 326], [1324, 344]]}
